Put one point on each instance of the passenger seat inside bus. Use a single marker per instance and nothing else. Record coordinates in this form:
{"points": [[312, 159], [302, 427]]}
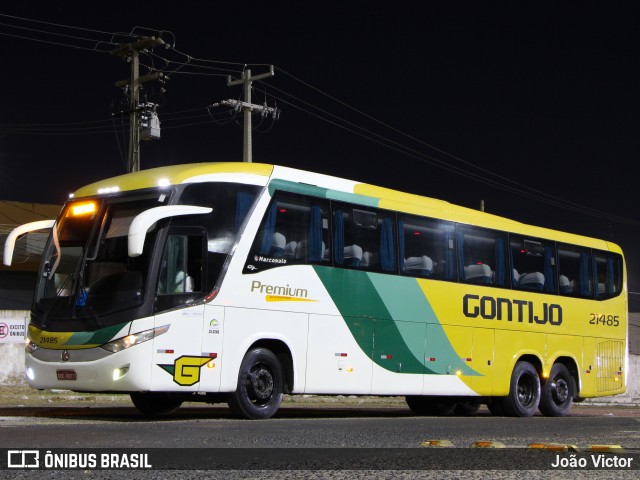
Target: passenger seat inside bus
{"points": [[564, 284], [301, 252], [369, 260], [531, 281], [478, 273], [290, 249], [422, 265], [353, 255], [277, 245]]}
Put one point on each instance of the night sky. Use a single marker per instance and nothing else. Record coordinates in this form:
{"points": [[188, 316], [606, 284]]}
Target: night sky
{"points": [[531, 107]]}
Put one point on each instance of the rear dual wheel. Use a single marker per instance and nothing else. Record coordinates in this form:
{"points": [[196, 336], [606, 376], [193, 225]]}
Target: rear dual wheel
{"points": [[557, 392], [524, 391]]}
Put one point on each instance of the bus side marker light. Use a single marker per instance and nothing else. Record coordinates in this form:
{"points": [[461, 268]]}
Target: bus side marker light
{"points": [[349, 369], [458, 372], [386, 357], [436, 443], [487, 444]]}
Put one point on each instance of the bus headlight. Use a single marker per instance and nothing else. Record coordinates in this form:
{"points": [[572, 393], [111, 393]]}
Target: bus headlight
{"points": [[134, 339]]}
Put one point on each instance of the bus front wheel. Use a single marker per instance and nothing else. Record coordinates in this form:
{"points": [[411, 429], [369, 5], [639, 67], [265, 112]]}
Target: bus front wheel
{"points": [[557, 392], [260, 386], [524, 391], [155, 404]]}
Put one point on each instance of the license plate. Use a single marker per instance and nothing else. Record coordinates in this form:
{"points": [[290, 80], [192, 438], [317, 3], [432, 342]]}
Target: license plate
{"points": [[66, 374]]}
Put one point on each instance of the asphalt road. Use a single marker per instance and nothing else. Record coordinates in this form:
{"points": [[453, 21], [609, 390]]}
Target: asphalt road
{"points": [[311, 438]]}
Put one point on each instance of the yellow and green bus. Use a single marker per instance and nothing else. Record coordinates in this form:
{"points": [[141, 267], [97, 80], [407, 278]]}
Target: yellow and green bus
{"points": [[243, 282]]}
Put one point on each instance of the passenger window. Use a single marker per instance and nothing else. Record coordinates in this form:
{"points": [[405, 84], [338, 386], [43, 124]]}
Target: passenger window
{"points": [[574, 271], [426, 248], [295, 229], [533, 264], [608, 273], [482, 256], [364, 238]]}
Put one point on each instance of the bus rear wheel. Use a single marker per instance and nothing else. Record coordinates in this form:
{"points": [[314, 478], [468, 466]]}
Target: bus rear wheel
{"points": [[557, 392], [260, 386], [524, 391], [155, 404]]}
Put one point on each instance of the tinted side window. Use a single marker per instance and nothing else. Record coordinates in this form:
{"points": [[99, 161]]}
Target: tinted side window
{"points": [[426, 247], [295, 229], [574, 271], [364, 238], [482, 256], [533, 264], [608, 273]]}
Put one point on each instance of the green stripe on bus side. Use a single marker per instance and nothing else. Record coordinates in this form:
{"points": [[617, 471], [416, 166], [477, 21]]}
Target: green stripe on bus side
{"points": [[353, 198], [405, 301], [99, 337], [296, 187], [312, 190], [399, 318]]}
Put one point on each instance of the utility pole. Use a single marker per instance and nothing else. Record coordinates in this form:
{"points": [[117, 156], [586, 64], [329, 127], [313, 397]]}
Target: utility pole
{"points": [[248, 108], [131, 52]]}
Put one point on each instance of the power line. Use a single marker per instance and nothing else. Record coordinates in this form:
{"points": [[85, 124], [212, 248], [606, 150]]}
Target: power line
{"points": [[189, 65]]}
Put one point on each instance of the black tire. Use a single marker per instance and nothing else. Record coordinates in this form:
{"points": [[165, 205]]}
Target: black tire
{"points": [[466, 409], [524, 391], [260, 386], [496, 406], [155, 404], [438, 406], [557, 392]]}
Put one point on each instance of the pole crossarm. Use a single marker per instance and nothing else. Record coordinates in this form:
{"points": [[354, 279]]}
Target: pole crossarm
{"points": [[144, 78], [247, 107], [238, 105], [137, 46]]}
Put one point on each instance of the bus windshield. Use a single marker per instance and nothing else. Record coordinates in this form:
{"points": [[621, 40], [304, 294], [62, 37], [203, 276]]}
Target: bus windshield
{"points": [[86, 270], [90, 279]]}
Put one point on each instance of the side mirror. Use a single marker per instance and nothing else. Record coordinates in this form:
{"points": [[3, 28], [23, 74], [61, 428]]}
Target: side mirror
{"points": [[10, 243], [143, 221]]}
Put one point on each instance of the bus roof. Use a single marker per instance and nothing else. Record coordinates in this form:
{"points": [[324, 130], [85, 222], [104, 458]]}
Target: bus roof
{"points": [[315, 183]]}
